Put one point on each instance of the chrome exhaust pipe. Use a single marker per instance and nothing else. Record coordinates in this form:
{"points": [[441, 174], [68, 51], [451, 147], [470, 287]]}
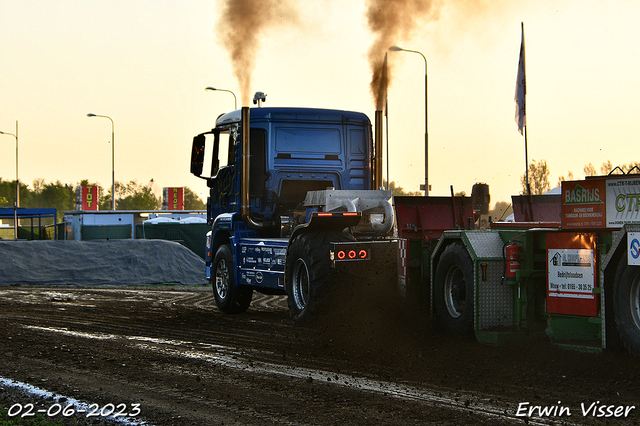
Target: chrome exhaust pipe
{"points": [[377, 157], [245, 209]]}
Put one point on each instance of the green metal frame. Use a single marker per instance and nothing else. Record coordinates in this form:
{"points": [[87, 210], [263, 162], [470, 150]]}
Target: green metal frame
{"points": [[529, 292]]}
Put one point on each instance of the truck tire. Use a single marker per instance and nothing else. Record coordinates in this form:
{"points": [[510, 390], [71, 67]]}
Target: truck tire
{"points": [[626, 305], [308, 273], [230, 298], [453, 290]]}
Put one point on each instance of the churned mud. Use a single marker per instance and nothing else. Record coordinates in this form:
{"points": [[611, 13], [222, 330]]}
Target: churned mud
{"points": [[170, 358]]}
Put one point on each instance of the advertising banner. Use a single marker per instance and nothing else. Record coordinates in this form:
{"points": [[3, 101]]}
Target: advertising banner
{"points": [[622, 201], [583, 204], [571, 274], [173, 198], [608, 202], [87, 197]]}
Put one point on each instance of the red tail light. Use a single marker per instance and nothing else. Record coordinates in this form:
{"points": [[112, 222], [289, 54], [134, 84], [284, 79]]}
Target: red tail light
{"points": [[352, 254]]}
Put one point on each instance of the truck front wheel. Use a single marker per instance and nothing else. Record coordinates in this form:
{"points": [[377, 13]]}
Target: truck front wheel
{"points": [[626, 304], [453, 290], [230, 299]]}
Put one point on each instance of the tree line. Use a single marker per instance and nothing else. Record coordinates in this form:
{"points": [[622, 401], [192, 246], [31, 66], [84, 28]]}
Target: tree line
{"points": [[131, 195], [539, 174]]}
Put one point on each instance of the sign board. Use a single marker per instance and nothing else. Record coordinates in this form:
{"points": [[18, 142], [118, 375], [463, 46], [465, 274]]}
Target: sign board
{"points": [[583, 204], [173, 198], [87, 197], [571, 273], [623, 196], [607, 202], [633, 248]]}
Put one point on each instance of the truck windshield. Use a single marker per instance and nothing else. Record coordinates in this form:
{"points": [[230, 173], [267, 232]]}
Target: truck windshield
{"points": [[305, 140]]}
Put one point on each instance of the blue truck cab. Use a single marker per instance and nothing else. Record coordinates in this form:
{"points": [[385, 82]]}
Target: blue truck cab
{"points": [[276, 174]]}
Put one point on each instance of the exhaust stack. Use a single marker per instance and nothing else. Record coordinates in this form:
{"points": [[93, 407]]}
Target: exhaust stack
{"points": [[377, 157], [244, 186]]}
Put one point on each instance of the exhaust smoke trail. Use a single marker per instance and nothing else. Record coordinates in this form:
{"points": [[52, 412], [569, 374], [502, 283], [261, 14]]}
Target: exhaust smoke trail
{"points": [[241, 26], [390, 21]]}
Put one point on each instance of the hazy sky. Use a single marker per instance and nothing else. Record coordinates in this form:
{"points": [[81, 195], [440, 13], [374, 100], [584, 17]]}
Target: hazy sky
{"points": [[146, 64]]}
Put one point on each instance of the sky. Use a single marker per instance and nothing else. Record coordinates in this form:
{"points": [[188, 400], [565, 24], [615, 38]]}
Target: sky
{"points": [[146, 63]]}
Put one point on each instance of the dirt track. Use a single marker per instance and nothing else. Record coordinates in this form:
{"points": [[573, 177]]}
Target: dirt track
{"points": [[184, 363]]}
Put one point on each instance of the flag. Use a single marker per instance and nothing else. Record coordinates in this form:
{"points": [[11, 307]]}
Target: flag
{"points": [[521, 89]]}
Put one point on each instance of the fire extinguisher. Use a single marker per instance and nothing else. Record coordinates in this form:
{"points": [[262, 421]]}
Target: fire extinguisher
{"points": [[512, 257]]}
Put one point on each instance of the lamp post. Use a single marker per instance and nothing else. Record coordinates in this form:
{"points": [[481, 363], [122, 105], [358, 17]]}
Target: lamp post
{"points": [[113, 168], [16, 204], [426, 121], [235, 100]]}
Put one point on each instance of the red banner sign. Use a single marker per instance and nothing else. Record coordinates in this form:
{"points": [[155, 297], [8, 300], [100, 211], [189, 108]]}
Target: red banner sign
{"points": [[572, 273], [89, 197], [173, 198]]}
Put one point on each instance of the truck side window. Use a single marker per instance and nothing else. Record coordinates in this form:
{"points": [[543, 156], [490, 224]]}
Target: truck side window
{"points": [[223, 151]]}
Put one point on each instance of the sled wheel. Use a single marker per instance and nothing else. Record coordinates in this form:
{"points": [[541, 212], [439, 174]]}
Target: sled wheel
{"points": [[626, 305], [453, 290]]}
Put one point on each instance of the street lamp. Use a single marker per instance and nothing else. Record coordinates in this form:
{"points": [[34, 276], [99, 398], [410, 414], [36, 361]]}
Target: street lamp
{"points": [[235, 100], [426, 125], [16, 204], [113, 168]]}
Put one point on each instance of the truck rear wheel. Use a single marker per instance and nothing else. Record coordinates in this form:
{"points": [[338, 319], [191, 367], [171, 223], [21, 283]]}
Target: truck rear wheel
{"points": [[626, 305], [453, 290], [308, 274], [230, 299]]}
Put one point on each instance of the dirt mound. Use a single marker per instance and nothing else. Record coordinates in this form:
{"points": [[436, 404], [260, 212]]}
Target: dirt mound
{"points": [[87, 263]]}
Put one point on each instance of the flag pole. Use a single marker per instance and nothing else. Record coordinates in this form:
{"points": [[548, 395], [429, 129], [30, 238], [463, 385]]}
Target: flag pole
{"points": [[526, 161], [521, 107], [526, 149]]}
